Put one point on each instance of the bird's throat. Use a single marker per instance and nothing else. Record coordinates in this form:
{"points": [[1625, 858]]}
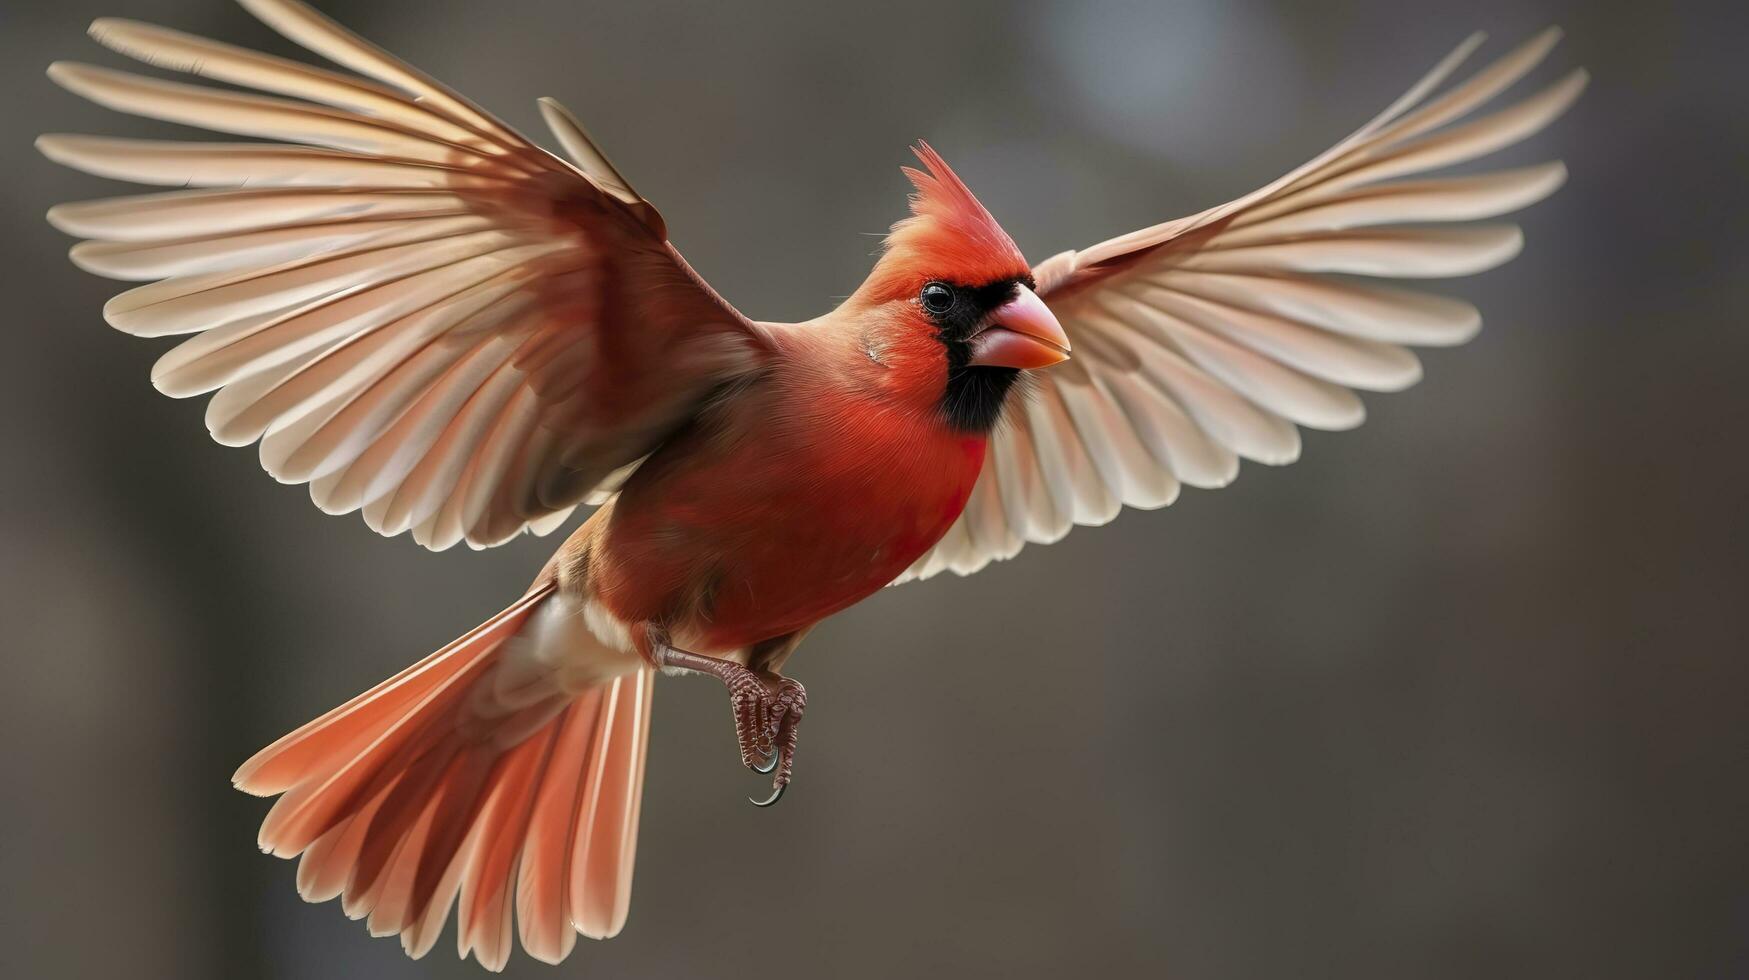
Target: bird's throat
{"points": [[974, 396]]}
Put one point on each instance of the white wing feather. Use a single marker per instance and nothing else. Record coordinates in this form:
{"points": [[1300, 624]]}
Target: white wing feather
{"points": [[1207, 339]]}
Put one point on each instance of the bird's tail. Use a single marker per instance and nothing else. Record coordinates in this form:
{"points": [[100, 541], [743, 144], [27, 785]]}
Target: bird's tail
{"points": [[478, 777]]}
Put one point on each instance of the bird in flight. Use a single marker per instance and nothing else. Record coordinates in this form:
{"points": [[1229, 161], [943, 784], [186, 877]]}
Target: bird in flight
{"points": [[431, 320]]}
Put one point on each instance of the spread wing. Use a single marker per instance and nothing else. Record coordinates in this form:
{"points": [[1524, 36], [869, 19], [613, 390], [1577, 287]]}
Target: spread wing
{"points": [[1210, 338], [413, 309]]}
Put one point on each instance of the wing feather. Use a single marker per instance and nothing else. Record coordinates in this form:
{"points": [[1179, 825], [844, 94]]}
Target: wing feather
{"points": [[1209, 338], [402, 300], [204, 58], [262, 116], [178, 216], [148, 261], [217, 164]]}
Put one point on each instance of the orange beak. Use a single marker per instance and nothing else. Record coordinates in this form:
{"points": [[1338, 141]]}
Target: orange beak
{"points": [[1023, 333]]}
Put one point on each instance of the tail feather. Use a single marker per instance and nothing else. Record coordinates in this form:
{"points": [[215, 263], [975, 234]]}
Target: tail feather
{"points": [[407, 800], [540, 893], [326, 865], [606, 827], [290, 760], [483, 909]]}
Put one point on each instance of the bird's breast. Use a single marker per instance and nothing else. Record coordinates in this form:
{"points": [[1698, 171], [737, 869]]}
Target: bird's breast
{"points": [[766, 525]]}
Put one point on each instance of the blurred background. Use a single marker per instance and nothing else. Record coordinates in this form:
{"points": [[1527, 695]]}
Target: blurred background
{"points": [[1462, 694]]}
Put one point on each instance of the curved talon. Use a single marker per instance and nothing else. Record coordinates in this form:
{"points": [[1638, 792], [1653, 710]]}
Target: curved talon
{"points": [[766, 707], [776, 794]]}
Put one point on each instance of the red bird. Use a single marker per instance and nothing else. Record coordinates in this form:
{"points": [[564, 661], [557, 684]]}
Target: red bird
{"points": [[430, 319]]}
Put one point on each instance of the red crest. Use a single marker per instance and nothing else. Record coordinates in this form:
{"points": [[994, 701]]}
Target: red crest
{"points": [[949, 236]]}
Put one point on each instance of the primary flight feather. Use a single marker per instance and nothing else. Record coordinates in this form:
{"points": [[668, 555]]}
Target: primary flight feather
{"points": [[431, 320]]}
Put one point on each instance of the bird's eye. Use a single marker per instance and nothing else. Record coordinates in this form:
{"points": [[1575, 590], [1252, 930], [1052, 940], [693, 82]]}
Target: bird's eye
{"points": [[936, 298]]}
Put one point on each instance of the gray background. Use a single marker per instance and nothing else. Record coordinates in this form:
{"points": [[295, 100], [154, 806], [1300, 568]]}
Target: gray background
{"points": [[1461, 694]]}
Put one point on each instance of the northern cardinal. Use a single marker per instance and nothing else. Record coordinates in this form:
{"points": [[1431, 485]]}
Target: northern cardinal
{"points": [[429, 319]]}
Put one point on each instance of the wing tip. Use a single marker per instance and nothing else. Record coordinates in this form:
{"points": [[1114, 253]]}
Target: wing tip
{"points": [[63, 72], [59, 147], [1535, 48], [1511, 244], [1342, 421], [1560, 97], [115, 313], [1563, 94], [1286, 456], [1468, 46], [57, 216], [1411, 373], [1578, 78], [103, 28], [140, 41], [81, 256], [585, 153], [1471, 329], [263, 9], [1555, 172]]}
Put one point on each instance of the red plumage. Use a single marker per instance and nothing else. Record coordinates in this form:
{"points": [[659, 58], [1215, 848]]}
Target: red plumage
{"points": [[434, 322], [948, 233]]}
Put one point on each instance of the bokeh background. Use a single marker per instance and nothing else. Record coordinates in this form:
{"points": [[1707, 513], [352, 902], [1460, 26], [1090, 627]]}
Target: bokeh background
{"points": [[1462, 694]]}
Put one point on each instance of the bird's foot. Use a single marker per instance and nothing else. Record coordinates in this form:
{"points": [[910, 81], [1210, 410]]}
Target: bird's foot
{"points": [[767, 709], [768, 712]]}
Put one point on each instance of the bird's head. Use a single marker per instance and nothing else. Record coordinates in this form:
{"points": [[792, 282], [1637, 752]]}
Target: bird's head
{"points": [[953, 298]]}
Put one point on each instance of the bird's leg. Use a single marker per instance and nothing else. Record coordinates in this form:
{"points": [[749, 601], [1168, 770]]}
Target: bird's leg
{"points": [[767, 708]]}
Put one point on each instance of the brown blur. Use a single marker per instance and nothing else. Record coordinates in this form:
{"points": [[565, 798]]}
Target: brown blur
{"points": [[1461, 694]]}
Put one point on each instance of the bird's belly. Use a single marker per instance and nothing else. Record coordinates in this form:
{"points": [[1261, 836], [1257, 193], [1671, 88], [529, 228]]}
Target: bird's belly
{"points": [[727, 563], [798, 572]]}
